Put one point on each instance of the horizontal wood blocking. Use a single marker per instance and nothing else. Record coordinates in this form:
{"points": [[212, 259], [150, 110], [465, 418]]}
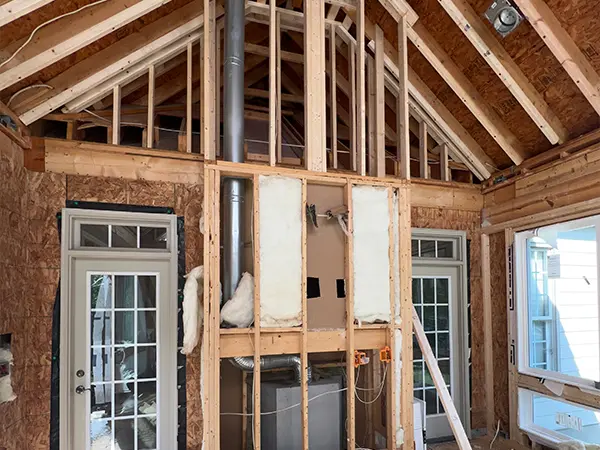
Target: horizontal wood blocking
{"points": [[106, 160], [235, 342]]}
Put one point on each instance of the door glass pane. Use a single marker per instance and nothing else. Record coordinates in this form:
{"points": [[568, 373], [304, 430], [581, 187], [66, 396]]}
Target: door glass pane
{"points": [[153, 237], [562, 299], [123, 355], [427, 249], [100, 369], [124, 291], [124, 237], [124, 434], [445, 249], [94, 235], [101, 435], [146, 291], [124, 327]]}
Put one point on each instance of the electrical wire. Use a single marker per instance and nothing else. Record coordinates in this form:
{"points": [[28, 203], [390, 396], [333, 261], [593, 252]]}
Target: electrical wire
{"points": [[39, 27], [19, 92], [495, 435], [296, 405]]}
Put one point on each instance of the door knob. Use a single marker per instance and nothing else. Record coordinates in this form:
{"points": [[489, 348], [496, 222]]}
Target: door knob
{"points": [[81, 389]]}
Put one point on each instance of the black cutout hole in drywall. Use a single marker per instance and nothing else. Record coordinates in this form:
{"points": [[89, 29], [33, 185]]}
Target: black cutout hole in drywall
{"points": [[340, 285], [313, 288]]}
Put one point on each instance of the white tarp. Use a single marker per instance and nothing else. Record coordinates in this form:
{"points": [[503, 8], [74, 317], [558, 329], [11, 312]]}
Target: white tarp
{"points": [[280, 219], [371, 223]]}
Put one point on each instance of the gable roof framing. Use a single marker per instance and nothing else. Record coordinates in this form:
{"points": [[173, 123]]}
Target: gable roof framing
{"points": [[56, 41]]}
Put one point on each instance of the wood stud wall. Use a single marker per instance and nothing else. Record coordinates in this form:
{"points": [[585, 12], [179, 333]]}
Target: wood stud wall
{"points": [[353, 337]]}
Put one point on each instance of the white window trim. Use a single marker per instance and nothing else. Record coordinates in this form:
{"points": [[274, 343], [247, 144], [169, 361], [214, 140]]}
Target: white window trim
{"points": [[521, 292], [70, 250]]}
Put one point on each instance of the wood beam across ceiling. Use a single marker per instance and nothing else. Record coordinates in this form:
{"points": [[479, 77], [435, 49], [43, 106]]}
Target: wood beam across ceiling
{"points": [[564, 48], [57, 40], [14, 9], [507, 70]]}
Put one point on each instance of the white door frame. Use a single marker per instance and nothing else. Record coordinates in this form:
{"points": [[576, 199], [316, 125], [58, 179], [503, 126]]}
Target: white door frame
{"points": [[460, 262], [71, 251]]}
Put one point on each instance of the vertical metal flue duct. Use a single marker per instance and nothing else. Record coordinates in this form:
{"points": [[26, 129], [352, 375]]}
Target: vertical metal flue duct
{"points": [[233, 145]]}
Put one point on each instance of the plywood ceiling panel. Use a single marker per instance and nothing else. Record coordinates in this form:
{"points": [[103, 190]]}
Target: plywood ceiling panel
{"points": [[543, 70], [445, 31]]}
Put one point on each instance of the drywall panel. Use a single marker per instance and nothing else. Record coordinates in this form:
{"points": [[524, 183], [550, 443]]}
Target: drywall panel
{"points": [[325, 248], [371, 222], [280, 222]]}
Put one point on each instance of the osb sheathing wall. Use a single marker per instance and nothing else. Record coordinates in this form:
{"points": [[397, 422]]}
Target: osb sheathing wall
{"points": [[500, 328], [29, 275]]}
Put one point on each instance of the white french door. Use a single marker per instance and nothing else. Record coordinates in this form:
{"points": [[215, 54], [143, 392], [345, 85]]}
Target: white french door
{"points": [[118, 348], [435, 292]]}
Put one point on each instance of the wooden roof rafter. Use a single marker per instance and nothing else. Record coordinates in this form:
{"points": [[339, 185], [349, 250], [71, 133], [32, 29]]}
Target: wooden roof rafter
{"points": [[17, 8], [457, 81], [469, 151], [472, 26], [56, 41], [564, 48]]}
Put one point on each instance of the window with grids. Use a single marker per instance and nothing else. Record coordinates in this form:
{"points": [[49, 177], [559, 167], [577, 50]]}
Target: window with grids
{"points": [[541, 310], [434, 248], [431, 299]]}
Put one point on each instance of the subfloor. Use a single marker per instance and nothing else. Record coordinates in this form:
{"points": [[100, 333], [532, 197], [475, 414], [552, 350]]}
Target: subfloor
{"points": [[481, 443]]}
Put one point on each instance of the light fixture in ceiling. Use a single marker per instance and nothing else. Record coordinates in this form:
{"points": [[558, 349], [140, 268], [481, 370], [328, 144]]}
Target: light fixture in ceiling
{"points": [[503, 16]]}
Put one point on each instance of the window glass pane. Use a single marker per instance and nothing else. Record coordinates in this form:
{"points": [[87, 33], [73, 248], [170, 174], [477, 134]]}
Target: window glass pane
{"points": [[146, 291], [416, 290], [94, 235], [415, 247], [428, 293], [153, 237], [100, 434], [101, 292], [562, 300], [124, 291], [441, 286], [431, 402], [124, 237], [445, 249], [427, 249], [124, 434], [572, 421]]}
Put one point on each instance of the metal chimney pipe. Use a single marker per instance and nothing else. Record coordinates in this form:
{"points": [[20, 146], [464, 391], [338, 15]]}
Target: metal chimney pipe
{"points": [[233, 145]]}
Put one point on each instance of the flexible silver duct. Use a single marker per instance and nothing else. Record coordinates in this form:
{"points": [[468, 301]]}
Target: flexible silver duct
{"points": [[233, 145], [273, 362]]}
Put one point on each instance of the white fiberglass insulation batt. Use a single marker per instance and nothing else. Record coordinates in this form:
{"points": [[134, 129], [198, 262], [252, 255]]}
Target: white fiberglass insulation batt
{"points": [[371, 222], [280, 241]]}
